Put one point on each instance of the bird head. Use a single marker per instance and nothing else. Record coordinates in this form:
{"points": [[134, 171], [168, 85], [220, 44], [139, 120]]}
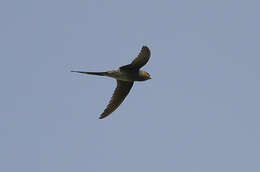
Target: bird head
{"points": [[145, 75]]}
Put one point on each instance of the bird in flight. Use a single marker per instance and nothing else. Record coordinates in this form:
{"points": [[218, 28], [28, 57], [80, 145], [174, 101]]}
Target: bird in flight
{"points": [[125, 76]]}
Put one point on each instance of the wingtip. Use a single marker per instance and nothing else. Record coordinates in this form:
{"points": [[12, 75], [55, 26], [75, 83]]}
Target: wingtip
{"points": [[103, 115], [145, 46], [146, 49]]}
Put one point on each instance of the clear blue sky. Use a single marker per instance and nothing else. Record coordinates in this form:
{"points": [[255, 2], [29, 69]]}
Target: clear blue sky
{"points": [[199, 113]]}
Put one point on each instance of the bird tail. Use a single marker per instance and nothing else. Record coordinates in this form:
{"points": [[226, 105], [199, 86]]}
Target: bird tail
{"points": [[91, 73]]}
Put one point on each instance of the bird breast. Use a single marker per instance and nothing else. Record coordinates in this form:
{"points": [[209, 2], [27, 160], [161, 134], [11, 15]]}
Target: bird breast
{"points": [[126, 75]]}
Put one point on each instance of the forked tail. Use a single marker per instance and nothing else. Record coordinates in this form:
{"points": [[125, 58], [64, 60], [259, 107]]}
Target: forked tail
{"points": [[91, 73]]}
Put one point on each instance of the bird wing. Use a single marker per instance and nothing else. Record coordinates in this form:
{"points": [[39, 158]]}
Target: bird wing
{"points": [[139, 61], [120, 93]]}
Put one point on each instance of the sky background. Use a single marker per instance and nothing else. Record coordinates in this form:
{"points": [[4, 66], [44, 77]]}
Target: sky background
{"points": [[199, 113]]}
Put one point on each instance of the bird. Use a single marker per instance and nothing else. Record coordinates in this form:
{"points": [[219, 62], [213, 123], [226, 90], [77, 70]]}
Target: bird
{"points": [[125, 76]]}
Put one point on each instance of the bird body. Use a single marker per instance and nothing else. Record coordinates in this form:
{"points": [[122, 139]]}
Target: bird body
{"points": [[121, 74], [125, 76]]}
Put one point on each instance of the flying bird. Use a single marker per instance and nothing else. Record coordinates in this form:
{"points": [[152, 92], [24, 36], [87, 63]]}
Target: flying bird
{"points": [[125, 76]]}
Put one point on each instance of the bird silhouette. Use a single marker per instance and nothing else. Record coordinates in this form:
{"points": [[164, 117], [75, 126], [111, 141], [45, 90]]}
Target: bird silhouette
{"points": [[125, 76]]}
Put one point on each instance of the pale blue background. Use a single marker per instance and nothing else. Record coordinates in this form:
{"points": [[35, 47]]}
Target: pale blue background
{"points": [[199, 113]]}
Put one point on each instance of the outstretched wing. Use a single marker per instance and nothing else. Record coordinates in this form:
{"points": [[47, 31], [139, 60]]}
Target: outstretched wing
{"points": [[139, 61], [118, 97]]}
